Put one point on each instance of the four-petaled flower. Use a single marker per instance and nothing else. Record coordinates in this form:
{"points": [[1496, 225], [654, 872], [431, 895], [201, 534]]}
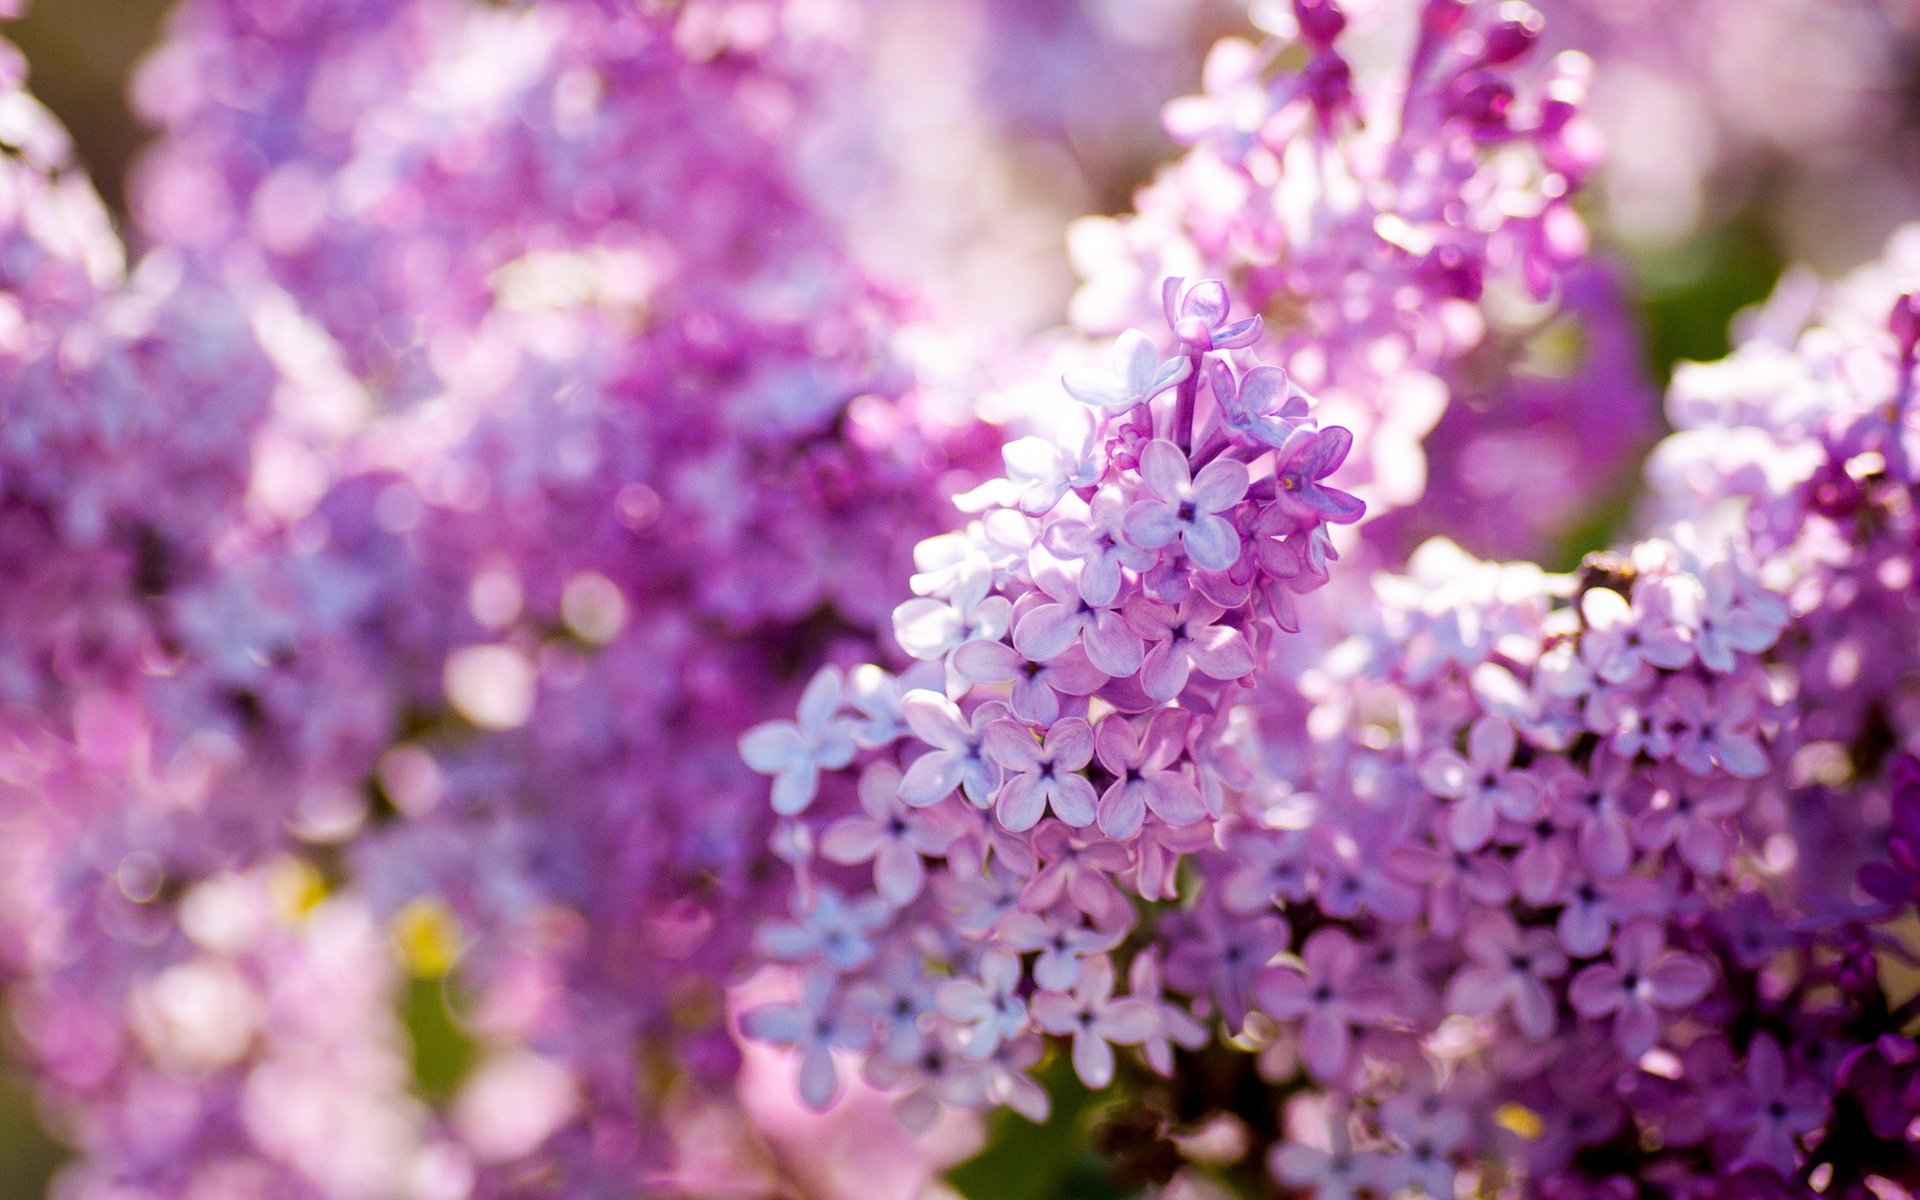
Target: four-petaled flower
{"points": [[1481, 785], [1138, 375], [1331, 993], [1093, 1019], [1509, 969], [1184, 639], [1143, 773], [1043, 774], [888, 834], [1100, 545], [958, 758], [795, 752], [1643, 979], [1187, 508]]}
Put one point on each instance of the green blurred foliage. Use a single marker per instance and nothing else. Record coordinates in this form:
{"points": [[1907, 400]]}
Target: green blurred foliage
{"points": [[442, 1052], [1688, 296], [28, 1156], [1025, 1161], [82, 53]]}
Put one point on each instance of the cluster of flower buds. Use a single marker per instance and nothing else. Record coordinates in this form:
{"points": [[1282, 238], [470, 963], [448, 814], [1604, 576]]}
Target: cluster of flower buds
{"points": [[1370, 204], [1082, 650]]}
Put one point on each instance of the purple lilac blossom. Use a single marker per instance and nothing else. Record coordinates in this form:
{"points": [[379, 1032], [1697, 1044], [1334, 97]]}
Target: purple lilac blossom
{"points": [[1391, 208]]}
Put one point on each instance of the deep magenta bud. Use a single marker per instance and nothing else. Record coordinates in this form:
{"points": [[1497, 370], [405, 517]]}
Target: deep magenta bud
{"points": [[1442, 17], [1904, 322], [1516, 28], [1483, 100], [1321, 21]]}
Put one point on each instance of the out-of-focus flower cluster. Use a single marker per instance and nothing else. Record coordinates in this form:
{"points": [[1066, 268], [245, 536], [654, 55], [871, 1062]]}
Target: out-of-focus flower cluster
{"points": [[1366, 202], [1794, 112], [394, 561]]}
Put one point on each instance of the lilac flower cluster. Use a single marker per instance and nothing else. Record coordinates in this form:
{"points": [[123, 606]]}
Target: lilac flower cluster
{"points": [[1537, 881], [1389, 208], [1062, 739]]}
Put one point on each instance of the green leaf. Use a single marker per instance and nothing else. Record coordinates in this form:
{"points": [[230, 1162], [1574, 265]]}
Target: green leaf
{"points": [[1025, 1161], [442, 1052]]}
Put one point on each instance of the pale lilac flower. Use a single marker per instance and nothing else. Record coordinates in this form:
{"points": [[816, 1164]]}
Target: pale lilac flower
{"points": [[1713, 727], [1100, 544], [816, 1025], [988, 1005], [958, 757], [1430, 1130], [941, 1075], [1144, 774], [889, 835], [1510, 969], [1691, 815], [931, 629], [836, 930], [1137, 376], [795, 752], [1063, 946], [1184, 639], [896, 998], [1482, 786], [1263, 407], [1643, 980], [1042, 470], [1078, 868], [1591, 802], [1187, 508], [1331, 994], [1595, 907], [1037, 687], [1456, 881], [879, 697], [1725, 623], [1623, 640], [1220, 957], [1042, 775], [1270, 869], [1094, 1020], [1045, 631]]}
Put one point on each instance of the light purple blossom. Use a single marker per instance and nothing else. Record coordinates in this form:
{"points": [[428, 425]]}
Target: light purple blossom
{"points": [[1511, 970], [1184, 639], [1482, 785], [1042, 775], [1643, 981], [795, 752], [1137, 376], [1143, 781], [1094, 1020], [888, 834], [1186, 508], [1331, 994]]}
